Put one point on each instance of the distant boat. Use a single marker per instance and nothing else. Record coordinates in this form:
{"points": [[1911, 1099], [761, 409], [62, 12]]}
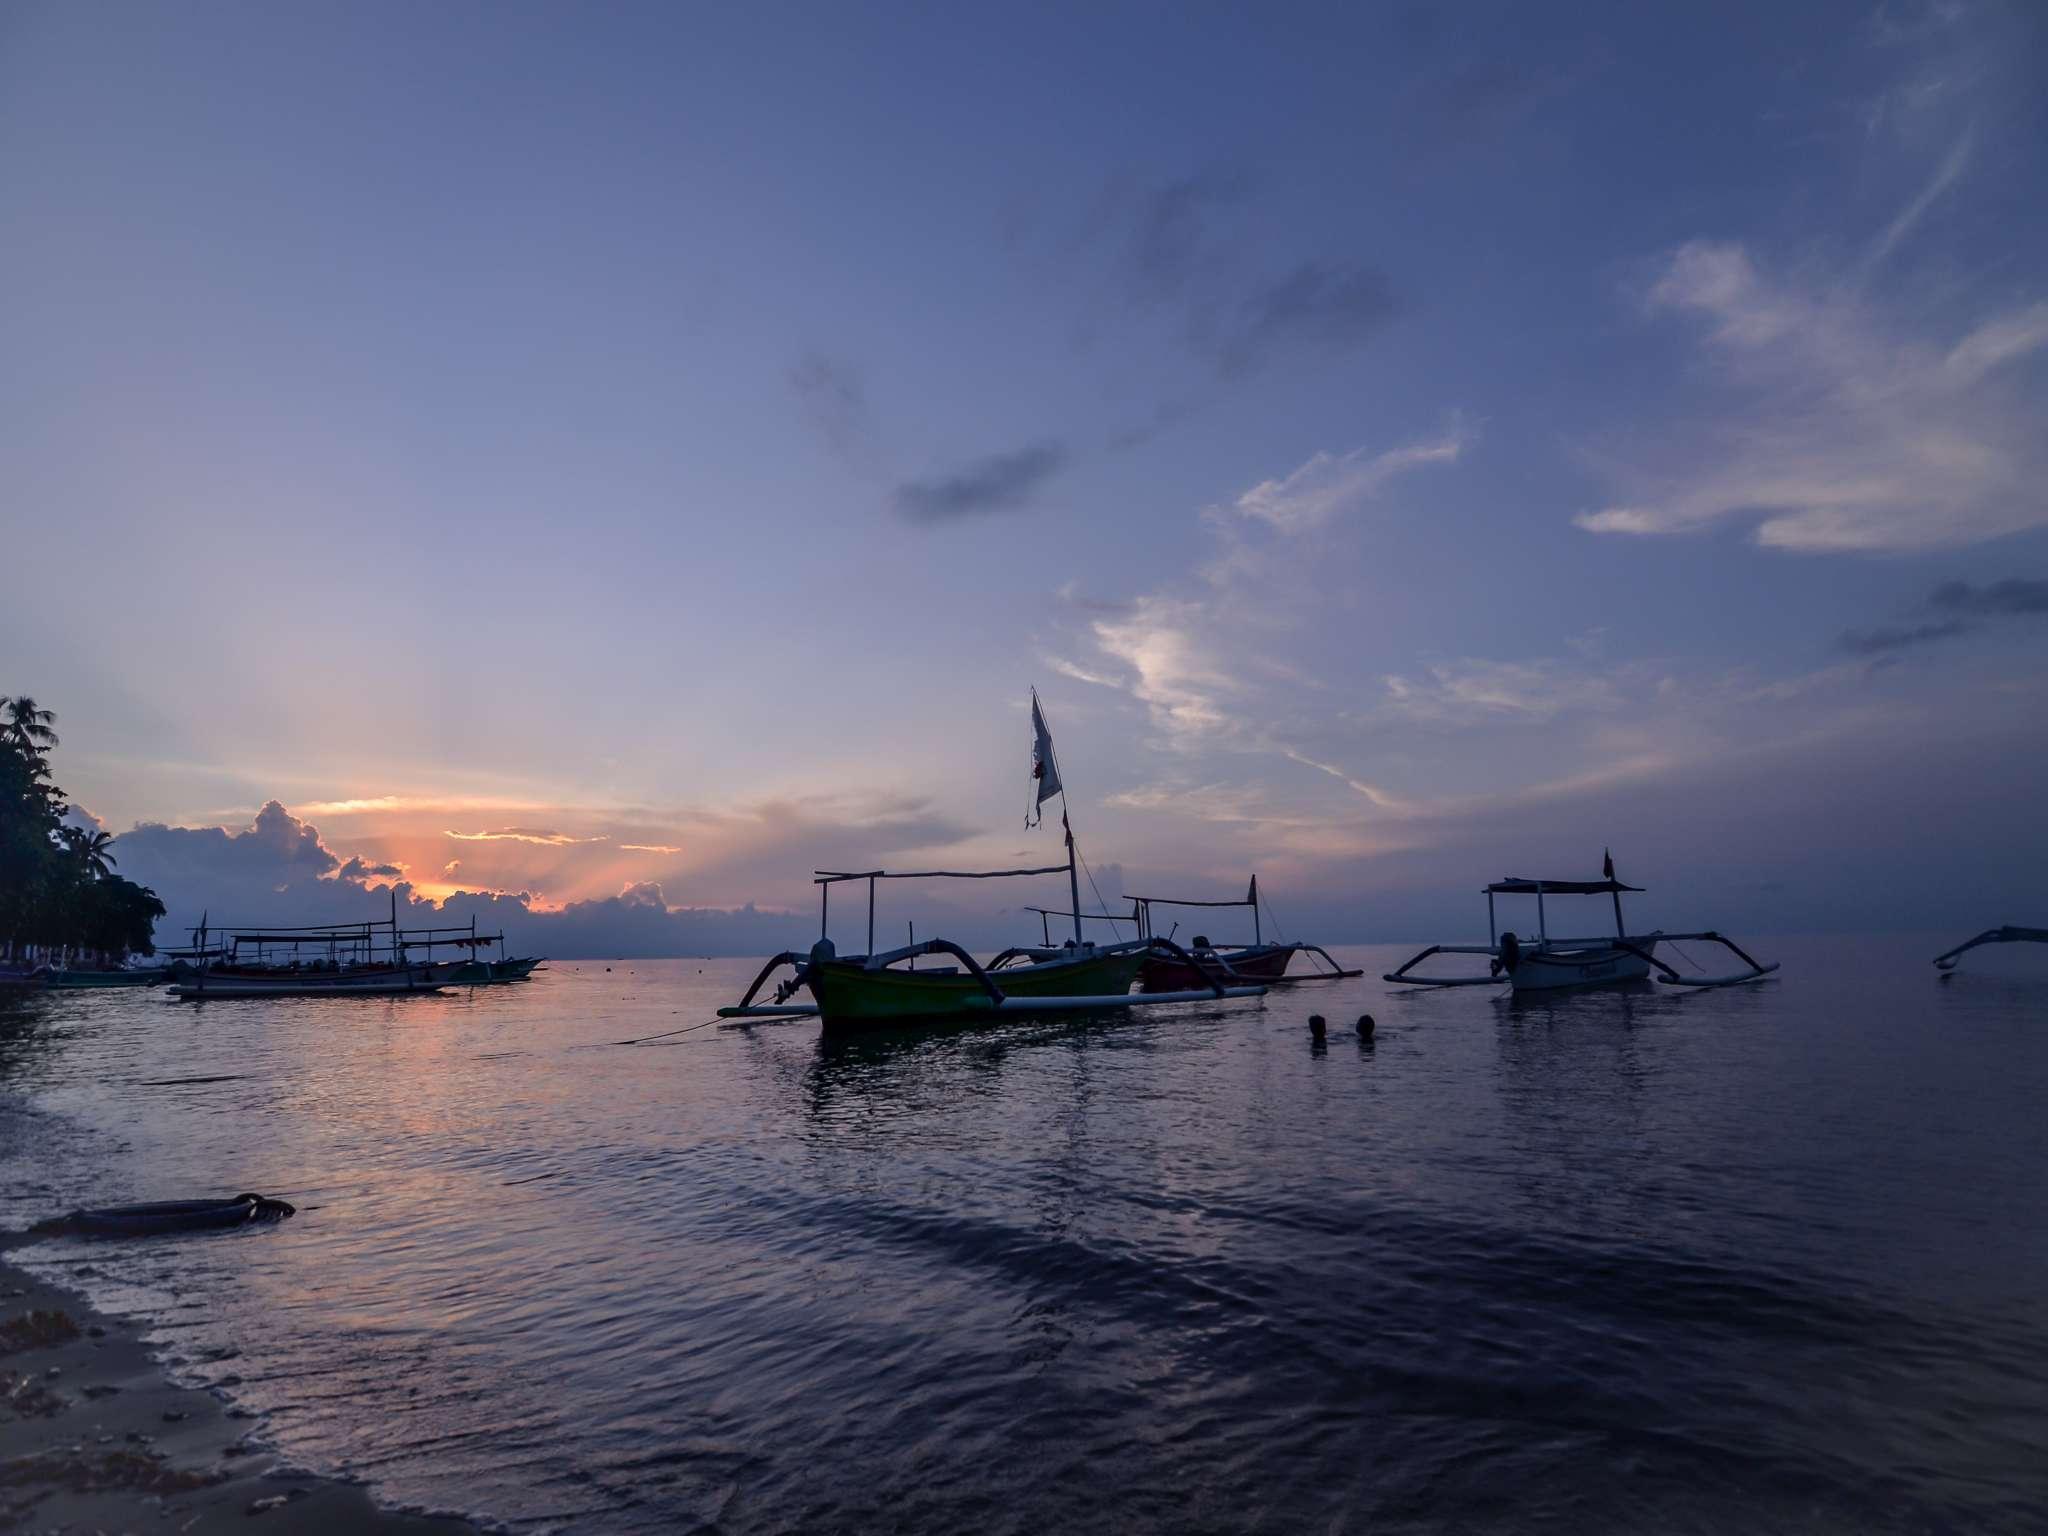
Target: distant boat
{"points": [[1546, 964], [889, 987], [475, 970], [363, 982], [1946, 963], [333, 960], [119, 976]]}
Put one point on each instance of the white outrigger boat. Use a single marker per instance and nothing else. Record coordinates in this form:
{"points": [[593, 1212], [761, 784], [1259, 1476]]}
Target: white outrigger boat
{"points": [[1946, 963], [1545, 964], [879, 989]]}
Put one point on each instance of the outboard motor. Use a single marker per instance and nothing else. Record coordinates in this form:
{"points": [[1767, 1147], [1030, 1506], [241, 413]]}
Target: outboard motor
{"points": [[1510, 954]]}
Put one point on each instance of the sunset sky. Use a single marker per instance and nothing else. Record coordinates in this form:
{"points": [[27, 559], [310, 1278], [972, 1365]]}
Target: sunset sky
{"points": [[635, 455]]}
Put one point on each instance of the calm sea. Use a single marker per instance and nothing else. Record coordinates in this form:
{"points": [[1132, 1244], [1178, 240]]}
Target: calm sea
{"points": [[1774, 1258]]}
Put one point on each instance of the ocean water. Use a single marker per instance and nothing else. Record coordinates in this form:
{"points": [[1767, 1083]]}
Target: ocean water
{"points": [[1773, 1258]]}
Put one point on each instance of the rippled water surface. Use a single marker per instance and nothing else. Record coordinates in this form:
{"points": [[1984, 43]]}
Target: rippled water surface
{"points": [[1770, 1258]]}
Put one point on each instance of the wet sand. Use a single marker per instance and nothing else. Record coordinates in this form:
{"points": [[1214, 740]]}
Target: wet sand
{"points": [[94, 1436]]}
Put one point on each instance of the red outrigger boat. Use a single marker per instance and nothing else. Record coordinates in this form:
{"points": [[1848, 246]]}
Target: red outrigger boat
{"points": [[1203, 964]]}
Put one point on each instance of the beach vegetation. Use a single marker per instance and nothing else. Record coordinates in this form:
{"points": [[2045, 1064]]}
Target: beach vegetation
{"points": [[60, 897]]}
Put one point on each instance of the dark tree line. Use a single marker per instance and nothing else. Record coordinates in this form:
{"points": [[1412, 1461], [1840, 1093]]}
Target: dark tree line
{"points": [[59, 896]]}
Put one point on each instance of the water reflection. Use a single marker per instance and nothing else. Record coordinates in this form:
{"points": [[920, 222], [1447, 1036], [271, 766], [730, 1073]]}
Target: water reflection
{"points": [[1160, 1269]]}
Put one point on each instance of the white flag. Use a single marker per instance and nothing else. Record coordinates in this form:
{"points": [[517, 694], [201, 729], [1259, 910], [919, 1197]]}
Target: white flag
{"points": [[1043, 771]]}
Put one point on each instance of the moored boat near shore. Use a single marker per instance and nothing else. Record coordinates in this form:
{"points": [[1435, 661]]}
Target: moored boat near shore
{"points": [[888, 987], [1545, 964]]}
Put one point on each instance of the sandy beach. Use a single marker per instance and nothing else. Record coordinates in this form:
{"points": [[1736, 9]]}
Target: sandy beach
{"points": [[95, 1437]]}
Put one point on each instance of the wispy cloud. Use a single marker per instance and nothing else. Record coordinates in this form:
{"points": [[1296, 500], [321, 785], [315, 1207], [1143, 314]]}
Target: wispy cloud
{"points": [[834, 399], [1840, 431], [1171, 670], [1332, 483], [649, 848], [2013, 595], [1317, 305], [1001, 482], [1179, 250], [1898, 637], [1473, 689], [1189, 656], [1952, 166], [541, 836]]}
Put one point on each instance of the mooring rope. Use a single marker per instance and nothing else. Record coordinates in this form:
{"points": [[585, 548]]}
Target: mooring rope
{"points": [[643, 1039]]}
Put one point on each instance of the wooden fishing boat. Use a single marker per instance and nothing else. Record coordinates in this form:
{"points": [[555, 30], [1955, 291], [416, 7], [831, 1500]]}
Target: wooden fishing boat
{"points": [[889, 987], [367, 959], [1946, 963], [1262, 960], [1174, 970], [368, 981], [1546, 964]]}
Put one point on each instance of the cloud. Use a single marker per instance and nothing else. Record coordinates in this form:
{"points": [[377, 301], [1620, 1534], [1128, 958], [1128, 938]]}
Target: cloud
{"points": [[1168, 664], [1839, 429], [1473, 689], [1328, 484], [540, 836], [1171, 227], [1002, 482], [1899, 637], [834, 401], [2014, 595], [1187, 655], [1188, 251], [1329, 308], [1997, 342], [1952, 166], [278, 870]]}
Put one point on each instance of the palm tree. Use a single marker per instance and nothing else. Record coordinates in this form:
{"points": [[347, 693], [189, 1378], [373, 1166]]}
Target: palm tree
{"points": [[91, 846], [29, 725]]}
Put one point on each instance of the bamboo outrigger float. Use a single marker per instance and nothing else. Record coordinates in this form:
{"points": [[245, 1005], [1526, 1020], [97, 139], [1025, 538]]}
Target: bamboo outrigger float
{"points": [[888, 987], [1545, 964], [1946, 963]]}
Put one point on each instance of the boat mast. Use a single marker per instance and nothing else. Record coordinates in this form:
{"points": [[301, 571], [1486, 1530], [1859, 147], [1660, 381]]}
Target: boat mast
{"points": [[1073, 879]]}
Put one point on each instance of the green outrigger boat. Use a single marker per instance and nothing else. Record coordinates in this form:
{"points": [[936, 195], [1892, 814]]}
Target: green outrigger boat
{"points": [[879, 989]]}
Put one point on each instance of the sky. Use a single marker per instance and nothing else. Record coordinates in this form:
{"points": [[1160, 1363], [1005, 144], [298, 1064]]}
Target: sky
{"points": [[594, 465]]}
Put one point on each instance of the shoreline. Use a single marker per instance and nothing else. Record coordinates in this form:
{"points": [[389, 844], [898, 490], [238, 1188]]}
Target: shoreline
{"points": [[95, 1436]]}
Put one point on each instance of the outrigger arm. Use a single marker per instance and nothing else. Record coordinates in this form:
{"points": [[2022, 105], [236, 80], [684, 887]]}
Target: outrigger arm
{"points": [[2006, 935], [1446, 981], [1758, 969]]}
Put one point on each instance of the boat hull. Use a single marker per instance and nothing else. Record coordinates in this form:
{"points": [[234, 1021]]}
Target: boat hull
{"points": [[1256, 962], [849, 994], [153, 976], [213, 984], [1555, 970]]}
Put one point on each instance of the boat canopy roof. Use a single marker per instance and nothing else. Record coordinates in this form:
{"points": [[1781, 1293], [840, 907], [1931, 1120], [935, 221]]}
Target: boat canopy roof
{"points": [[1514, 886], [834, 876]]}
